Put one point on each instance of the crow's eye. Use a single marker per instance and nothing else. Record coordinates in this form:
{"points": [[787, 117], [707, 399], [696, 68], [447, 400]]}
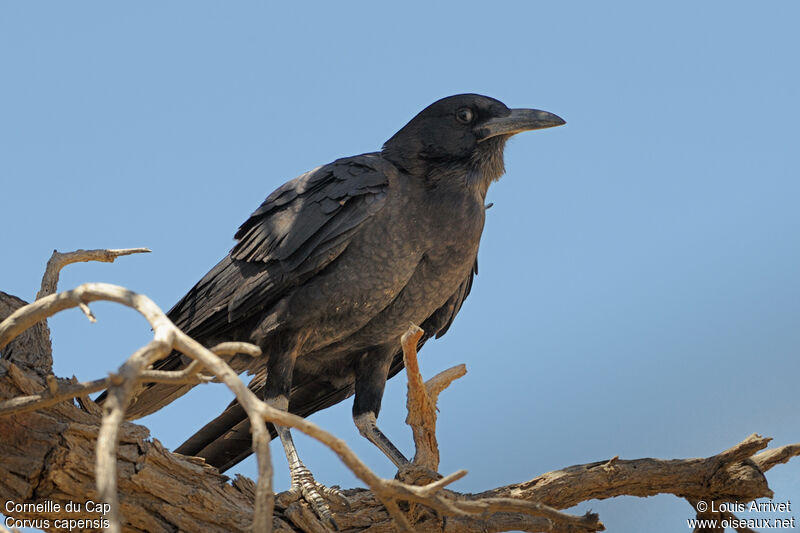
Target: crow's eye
{"points": [[464, 115]]}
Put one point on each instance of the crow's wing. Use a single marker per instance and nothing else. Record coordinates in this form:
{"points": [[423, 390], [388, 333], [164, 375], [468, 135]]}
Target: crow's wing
{"points": [[297, 231]]}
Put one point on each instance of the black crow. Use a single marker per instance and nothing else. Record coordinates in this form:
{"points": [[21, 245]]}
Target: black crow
{"points": [[329, 271]]}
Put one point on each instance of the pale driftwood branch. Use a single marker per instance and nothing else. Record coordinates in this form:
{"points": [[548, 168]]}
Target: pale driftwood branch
{"points": [[188, 376], [421, 412], [23, 404], [442, 380], [422, 398], [59, 260], [769, 458], [34, 350], [120, 394], [720, 477], [59, 392]]}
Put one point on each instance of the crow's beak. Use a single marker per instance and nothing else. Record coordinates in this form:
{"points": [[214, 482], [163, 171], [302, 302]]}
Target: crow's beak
{"points": [[518, 120]]}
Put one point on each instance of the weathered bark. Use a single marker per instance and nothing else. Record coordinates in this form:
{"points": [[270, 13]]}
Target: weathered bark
{"points": [[32, 348]]}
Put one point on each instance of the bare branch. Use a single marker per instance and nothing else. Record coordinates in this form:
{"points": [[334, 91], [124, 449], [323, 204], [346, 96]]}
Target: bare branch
{"points": [[46, 398], [442, 380], [421, 403], [743, 450], [421, 411], [726, 476], [58, 393], [769, 458], [119, 397], [60, 260], [236, 348], [188, 376]]}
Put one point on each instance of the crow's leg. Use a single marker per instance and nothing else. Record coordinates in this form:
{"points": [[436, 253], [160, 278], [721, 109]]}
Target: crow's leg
{"points": [[371, 374], [277, 389]]}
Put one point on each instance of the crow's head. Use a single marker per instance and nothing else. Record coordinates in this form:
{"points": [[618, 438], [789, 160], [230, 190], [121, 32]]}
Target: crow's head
{"points": [[465, 133]]}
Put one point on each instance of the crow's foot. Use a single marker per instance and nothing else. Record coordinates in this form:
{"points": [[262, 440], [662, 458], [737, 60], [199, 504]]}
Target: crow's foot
{"points": [[315, 494]]}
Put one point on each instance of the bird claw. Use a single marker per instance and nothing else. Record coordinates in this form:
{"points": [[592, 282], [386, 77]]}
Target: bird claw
{"points": [[305, 487], [334, 494]]}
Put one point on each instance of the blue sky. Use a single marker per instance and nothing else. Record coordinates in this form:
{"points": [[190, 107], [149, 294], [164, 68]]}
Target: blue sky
{"points": [[638, 291]]}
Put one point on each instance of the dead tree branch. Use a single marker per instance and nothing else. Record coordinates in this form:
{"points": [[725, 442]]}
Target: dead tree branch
{"points": [[422, 398], [56, 392], [59, 260], [49, 456]]}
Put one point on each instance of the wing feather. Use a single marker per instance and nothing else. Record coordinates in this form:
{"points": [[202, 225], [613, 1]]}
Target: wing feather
{"points": [[296, 232]]}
